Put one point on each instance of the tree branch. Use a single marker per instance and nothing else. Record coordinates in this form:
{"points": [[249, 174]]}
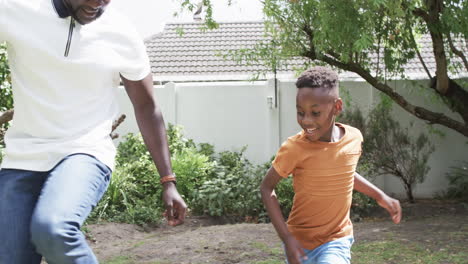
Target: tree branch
{"points": [[455, 98], [422, 14], [457, 51], [6, 116], [432, 21], [420, 112], [435, 7], [115, 125], [419, 54]]}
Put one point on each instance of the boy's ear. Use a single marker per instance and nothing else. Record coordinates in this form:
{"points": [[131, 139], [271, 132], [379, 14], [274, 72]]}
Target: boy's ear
{"points": [[338, 108]]}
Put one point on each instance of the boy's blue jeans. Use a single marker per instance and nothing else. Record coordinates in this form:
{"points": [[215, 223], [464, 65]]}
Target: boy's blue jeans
{"points": [[41, 212], [333, 252]]}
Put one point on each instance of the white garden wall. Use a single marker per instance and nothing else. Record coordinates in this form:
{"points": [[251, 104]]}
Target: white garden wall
{"points": [[231, 115]]}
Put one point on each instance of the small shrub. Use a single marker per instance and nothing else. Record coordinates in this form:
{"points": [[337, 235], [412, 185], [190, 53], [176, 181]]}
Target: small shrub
{"points": [[207, 150], [134, 193], [388, 149], [176, 140], [131, 149], [392, 150], [362, 206], [234, 190], [192, 169], [458, 181]]}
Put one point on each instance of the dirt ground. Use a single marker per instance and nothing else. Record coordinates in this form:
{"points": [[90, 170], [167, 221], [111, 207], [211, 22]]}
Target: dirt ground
{"points": [[434, 224]]}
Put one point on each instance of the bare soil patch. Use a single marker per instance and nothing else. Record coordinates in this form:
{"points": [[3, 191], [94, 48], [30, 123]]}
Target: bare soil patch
{"points": [[435, 225]]}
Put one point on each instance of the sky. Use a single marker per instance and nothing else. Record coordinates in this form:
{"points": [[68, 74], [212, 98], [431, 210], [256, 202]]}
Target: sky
{"points": [[150, 16]]}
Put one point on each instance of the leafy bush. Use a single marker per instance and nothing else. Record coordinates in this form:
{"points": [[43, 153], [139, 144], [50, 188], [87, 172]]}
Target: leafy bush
{"points": [[234, 191], [176, 140], [207, 150], [222, 184], [134, 193], [362, 206], [192, 169], [458, 181]]}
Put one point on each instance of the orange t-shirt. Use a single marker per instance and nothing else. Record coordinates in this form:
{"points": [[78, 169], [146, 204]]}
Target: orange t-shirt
{"points": [[323, 181]]}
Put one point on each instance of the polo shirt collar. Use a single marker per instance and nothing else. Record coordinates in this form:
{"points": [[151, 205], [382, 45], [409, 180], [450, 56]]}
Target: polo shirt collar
{"points": [[61, 8]]}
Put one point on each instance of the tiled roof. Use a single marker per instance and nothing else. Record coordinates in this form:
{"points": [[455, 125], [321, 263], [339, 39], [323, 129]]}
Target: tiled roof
{"points": [[194, 54]]}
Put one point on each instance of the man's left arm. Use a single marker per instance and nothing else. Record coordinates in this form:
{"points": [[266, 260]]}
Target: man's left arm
{"points": [[391, 205], [151, 124]]}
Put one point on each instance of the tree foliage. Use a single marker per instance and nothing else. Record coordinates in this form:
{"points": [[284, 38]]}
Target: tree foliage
{"points": [[374, 39]]}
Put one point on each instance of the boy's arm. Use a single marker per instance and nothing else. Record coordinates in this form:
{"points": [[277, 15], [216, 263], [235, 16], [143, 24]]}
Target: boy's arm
{"points": [[391, 205], [294, 250]]}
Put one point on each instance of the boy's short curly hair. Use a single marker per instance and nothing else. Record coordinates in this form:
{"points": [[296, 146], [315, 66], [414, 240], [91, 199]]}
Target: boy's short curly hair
{"points": [[318, 77]]}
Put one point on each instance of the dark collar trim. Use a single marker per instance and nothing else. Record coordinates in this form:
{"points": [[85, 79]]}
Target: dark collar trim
{"points": [[60, 8]]}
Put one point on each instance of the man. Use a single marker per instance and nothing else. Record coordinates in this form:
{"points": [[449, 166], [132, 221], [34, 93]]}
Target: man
{"points": [[66, 57]]}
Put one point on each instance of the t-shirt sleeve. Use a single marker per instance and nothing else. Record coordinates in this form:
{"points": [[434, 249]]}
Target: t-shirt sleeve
{"points": [[286, 160], [138, 65]]}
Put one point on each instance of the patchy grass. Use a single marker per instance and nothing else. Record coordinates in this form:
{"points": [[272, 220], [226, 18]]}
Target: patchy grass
{"points": [[119, 260], [395, 252], [435, 234]]}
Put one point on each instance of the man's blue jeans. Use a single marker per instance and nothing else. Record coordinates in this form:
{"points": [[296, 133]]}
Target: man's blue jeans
{"points": [[41, 212]]}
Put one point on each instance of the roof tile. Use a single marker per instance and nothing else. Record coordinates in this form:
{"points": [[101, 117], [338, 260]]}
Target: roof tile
{"points": [[198, 52]]}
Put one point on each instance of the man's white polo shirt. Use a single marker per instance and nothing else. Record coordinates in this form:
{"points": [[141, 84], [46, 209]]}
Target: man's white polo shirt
{"points": [[65, 104]]}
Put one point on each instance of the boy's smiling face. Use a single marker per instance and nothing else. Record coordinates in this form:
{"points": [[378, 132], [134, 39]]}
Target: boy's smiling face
{"points": [[316, 112]]}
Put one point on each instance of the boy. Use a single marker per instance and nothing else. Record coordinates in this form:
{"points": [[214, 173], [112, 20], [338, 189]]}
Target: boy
{"points": [[322, 159]]}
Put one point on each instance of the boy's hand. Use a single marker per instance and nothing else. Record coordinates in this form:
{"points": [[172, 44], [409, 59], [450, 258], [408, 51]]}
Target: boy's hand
{"points": [[392, 206], [294, 251], [175, 205]]}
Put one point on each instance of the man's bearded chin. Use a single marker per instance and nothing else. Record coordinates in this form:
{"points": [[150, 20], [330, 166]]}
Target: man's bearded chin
{"points": [[74, 14]]}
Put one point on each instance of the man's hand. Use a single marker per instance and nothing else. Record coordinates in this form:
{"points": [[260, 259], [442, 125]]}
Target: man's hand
{"points": [[392, 206], [294, 251], [175, 205]]}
